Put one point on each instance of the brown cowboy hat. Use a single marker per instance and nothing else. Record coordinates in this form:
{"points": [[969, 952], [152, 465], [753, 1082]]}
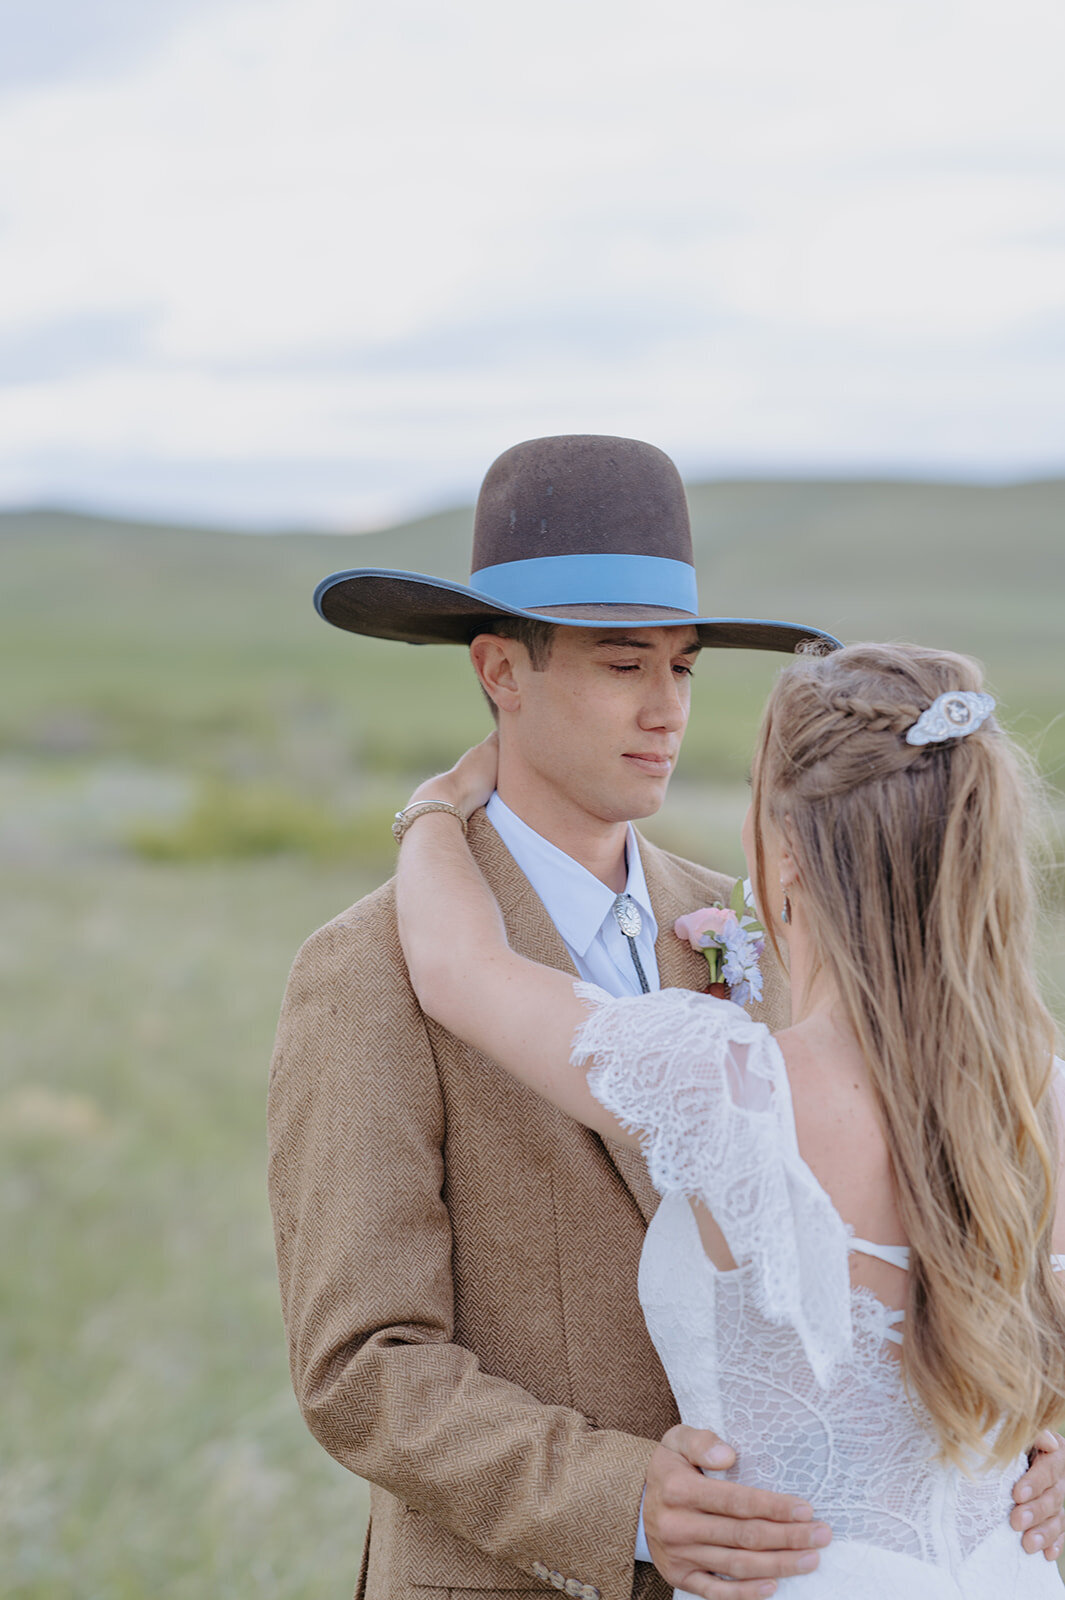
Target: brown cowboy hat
{"points": [[576, 529]]}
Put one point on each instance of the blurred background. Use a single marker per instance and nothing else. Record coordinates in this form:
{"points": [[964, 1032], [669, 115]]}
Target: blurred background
{"points": [[280, 279]]}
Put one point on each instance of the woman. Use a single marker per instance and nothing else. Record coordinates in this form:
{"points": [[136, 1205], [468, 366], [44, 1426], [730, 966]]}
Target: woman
{"points": [[850, 1276]]}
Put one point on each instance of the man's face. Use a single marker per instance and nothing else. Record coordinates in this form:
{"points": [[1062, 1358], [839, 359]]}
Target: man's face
{"points": [[598, 730]]}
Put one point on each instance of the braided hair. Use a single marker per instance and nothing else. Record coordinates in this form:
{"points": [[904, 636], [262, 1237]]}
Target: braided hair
{"points": [[917, 894]]}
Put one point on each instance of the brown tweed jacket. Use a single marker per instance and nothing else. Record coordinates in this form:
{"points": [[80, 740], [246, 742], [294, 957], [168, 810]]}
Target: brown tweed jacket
{"points": [[458, 1268]]}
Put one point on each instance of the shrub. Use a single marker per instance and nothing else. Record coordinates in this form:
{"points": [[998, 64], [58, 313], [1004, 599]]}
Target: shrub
{"points": [[231, 821]]}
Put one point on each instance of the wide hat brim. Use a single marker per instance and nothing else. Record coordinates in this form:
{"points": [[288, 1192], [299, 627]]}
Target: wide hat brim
{"points": [[414, 608]]}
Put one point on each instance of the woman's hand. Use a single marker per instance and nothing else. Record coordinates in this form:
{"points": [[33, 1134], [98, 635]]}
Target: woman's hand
{"points": [[469, 783]]}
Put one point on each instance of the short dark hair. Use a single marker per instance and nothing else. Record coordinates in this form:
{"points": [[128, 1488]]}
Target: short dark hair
{"points": [[533, 632]]}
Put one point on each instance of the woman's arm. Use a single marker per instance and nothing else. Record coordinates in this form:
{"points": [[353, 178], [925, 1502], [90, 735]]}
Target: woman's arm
{"points": [[462, 968]]}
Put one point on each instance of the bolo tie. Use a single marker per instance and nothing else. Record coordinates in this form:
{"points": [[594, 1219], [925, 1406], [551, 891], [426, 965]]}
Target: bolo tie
{"points": [[629, 921]]}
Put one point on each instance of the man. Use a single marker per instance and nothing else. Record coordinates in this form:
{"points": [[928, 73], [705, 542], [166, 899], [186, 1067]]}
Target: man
{"points": [[458, 1262]]}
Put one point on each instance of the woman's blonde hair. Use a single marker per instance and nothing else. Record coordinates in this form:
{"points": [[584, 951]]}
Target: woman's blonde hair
{"points": [[913, 871]]}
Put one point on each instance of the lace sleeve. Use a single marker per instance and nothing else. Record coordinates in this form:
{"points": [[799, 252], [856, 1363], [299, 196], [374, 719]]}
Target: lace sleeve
{"points": [[705, 1087]]}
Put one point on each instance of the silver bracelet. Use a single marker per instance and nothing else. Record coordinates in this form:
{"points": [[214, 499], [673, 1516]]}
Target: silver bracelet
{"points": [[420, 809]]}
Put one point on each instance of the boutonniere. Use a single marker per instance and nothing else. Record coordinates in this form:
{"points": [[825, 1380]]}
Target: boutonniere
{"points": [[732, 940]]}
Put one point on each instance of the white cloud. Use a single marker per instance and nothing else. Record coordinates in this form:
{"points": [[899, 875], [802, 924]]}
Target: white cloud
{"points": [[420, 226]]}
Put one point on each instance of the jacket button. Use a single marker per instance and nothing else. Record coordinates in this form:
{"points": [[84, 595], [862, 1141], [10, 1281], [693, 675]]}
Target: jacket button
{"points": [[575, 1588], [590, 1592], [556, 1580], [540, 1571]]}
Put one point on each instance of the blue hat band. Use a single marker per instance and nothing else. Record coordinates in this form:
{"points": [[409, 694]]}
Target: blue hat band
{"points": [[605, 580]]}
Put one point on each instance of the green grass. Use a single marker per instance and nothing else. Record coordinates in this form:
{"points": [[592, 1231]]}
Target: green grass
{"points": [[229, 821], [195, 772], [151, 1444]]}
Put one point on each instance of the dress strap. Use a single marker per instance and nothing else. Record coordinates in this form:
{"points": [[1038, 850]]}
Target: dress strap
{"points": [[896, 1255], [892, 1331]]}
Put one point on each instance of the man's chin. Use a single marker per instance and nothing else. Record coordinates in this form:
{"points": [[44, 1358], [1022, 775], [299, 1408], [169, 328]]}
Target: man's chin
{"points": [[646, 800]]}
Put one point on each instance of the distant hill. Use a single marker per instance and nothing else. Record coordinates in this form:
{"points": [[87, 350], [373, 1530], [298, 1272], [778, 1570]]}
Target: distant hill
{"points": [[122, 618]]}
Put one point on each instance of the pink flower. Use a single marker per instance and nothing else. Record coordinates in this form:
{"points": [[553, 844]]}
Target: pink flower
{"points": [[697, 924]]}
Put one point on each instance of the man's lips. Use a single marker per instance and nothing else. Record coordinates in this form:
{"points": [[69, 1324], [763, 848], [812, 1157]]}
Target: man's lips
{"points": [[657, 765]]}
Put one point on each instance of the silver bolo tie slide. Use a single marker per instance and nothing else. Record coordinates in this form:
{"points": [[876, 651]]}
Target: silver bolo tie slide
{"points": [[629, 921]]}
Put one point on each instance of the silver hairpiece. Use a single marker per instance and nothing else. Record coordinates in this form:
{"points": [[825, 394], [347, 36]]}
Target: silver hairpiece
{"points": [[950, 716]]}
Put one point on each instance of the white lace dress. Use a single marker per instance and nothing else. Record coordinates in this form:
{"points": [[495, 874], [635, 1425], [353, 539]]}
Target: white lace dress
{"points": [[781, 1356]]}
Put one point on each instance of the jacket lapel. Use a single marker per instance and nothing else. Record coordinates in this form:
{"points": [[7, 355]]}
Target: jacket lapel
{"points": [[679, 966], [530, 930], [533, 935]]}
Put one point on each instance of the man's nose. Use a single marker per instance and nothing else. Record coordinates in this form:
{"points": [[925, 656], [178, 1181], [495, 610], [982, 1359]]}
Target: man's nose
{"points": [[666, 705]]}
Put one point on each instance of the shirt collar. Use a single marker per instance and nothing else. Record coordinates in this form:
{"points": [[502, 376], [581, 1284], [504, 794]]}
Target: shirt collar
{"points": [[575, 900]]}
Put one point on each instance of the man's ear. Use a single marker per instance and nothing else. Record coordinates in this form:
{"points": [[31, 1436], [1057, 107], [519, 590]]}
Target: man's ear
{"points": [[494, 659]]}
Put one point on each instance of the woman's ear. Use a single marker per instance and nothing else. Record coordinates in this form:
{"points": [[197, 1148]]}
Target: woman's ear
{"points": [[493, 659], [789, 872], [790, 877]]}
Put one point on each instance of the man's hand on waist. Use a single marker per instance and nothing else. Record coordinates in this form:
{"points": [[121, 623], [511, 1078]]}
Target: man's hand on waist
{"points": [[719, 1539]]}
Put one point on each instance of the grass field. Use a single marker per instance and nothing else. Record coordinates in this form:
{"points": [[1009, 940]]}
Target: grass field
{"points": [[151, 1444], [194, 773]]}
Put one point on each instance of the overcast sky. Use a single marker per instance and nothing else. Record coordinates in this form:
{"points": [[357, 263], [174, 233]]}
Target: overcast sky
{"points": [[286, 262]]}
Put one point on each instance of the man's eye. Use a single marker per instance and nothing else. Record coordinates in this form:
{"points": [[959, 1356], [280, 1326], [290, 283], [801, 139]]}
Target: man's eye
{"points": [[626, 666], [684, 669]]}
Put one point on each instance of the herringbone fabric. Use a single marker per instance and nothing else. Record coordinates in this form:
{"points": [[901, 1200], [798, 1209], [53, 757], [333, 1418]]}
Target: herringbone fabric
{"points": [[458, 1268]]}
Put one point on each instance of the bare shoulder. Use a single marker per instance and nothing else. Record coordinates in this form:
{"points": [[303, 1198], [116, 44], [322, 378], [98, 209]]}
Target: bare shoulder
{"points": [[839, 1132], [824, 1068]]}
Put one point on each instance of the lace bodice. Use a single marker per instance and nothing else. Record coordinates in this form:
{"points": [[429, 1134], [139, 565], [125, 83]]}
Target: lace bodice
{"points": [[781, 1356]]}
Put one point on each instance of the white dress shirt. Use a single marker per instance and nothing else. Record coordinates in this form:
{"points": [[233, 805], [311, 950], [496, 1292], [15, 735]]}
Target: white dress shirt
{"points": [[581, 908]]}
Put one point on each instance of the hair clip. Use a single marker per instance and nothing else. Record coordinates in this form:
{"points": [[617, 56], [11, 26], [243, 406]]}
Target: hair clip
{"points": [[950, 716]]}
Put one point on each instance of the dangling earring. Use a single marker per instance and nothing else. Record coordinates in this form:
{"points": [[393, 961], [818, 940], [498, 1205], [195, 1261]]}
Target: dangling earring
{"points": [[785, 910]]}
